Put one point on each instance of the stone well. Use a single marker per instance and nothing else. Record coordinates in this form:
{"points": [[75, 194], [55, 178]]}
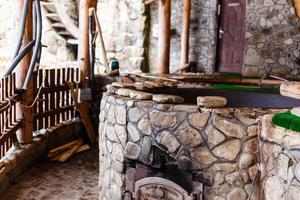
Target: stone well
{"points": [[212, 153]]}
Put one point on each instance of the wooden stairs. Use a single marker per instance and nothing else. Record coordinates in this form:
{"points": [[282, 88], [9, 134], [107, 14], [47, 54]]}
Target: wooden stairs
{"points": [[64, 23]]}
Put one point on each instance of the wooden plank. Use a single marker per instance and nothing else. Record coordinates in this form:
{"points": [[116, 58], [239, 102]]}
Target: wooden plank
{"points": [[83, 114], [57, 94], [65, 156], [48, 113], [52, 96], [58, 150]]}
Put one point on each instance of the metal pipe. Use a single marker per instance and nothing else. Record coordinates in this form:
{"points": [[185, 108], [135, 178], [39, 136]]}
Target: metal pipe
{"points": [[37, 44], [18, 58], [23, 24]]}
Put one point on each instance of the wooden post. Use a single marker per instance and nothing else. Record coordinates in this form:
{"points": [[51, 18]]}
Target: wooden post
{"points": [[83, 54], [185, 35], [164, 10], [24, 135]]}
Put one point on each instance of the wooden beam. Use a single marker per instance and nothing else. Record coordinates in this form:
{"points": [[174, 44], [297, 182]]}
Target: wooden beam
{"points": [[83, 54], [24, 135], [185, 35], [164, 11], [148, 1]]}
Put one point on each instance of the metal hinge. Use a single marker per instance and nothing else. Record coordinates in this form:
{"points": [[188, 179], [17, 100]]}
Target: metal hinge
{"points": [[221, 32]]}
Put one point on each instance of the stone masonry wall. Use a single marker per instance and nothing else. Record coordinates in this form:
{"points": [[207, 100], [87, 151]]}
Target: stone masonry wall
{"points": [[123, 24], [280, 162], [202, 35], [272, 39], [218, 146]]}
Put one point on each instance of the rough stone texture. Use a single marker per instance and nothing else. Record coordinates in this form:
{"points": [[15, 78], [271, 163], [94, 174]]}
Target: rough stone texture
{"points": [[279, 161], [132, 151], [211, 101], [296, 111], [220, 145], [140, 95], [228, 150], [163, 98], [168, 140]]}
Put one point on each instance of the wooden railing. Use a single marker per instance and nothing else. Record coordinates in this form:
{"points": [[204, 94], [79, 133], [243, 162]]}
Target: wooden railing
{"points": [[53, 103], [8, 116]]}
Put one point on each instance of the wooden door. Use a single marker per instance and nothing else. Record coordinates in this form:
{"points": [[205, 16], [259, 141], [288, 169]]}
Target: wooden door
{"points": [[231, 36]]}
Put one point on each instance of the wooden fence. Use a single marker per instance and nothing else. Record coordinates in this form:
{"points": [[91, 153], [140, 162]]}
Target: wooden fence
{"points": [[53, 103]]}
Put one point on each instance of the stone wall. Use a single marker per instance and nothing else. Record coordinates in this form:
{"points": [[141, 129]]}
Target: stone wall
{"points": [[202, 35], [272, 38], [218, 146], [280, 162], [123, 24]]}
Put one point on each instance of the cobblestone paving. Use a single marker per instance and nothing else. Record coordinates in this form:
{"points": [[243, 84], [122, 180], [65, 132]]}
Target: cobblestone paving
{"points": [[76, 179]]}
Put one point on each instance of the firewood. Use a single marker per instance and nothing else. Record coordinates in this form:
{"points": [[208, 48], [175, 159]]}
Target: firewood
{"points": [[2, 167], [67, 154], [83, 148], [58, 150]]}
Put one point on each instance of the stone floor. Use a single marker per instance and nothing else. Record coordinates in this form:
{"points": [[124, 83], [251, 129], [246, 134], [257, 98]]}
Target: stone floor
{"points": [[76, 179]]}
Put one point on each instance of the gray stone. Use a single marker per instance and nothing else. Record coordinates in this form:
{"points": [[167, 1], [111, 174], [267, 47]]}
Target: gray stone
{"points": [[121, 134], [117, 152], [168, 140], [163, 98], [146, 150], [283, 165], [199, 120], [188, 136], [214, 137], [163, 120], [211, 101], [297, 171], [273, 188], [134, 114], [253, 58], [296, 111], [229, 127], [236, 194], [246, 160], [111, 89], [120, 115], [124, 92], [256, 191], [224, 167], [133, 132], [132, 151], [145, 126], [228, 150], [204, 156], [140, 95]]}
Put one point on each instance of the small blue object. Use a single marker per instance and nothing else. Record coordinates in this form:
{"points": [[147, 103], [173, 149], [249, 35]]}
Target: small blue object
{"points": [[114, 65]]}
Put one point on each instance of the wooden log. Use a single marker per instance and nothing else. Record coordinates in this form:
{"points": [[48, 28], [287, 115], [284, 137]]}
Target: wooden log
{"points": [[24, 135], [164, 11], [290, 89], [185, 35], [83, 148], [83, 50], [58, 150], [66, 155]]}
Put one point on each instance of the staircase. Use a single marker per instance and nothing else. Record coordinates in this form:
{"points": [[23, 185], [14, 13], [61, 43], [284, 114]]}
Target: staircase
{"points": [[63, 18]]}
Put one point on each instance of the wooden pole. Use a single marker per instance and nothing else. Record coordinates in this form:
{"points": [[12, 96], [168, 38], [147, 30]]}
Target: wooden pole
{"points": [[83, 54], [24, 135], [185, 35], [164, 10]]}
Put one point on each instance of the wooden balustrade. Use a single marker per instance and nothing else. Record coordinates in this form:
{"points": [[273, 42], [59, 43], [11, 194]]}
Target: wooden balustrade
{"points": [[53, 103]]}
